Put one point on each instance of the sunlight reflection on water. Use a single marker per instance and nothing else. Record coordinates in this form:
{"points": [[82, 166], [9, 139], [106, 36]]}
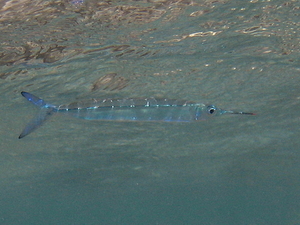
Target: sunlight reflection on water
{"points": [[229, 170]]}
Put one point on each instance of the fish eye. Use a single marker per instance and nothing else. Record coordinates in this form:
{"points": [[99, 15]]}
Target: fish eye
{"points": [[211, 109]]}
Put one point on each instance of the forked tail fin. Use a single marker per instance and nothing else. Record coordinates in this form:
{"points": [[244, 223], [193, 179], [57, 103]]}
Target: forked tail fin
{"points": [[46, 111]]}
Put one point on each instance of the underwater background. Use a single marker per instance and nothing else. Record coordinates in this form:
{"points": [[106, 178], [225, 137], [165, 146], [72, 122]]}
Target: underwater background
{"points": [[230, 170]]}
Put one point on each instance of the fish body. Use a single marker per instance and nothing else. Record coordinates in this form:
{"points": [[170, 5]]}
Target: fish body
{"points": [[147, 109], [129, 109]]}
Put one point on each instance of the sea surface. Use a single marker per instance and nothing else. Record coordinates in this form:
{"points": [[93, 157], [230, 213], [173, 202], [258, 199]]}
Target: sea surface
{"points": [[230, 170]]}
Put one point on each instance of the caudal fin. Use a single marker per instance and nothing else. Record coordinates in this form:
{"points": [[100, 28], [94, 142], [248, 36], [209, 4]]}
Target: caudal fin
{"points": [[45, 112]]}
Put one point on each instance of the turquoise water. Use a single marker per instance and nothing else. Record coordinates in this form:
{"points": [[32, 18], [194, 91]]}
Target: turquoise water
{"points": [[238, 55]]}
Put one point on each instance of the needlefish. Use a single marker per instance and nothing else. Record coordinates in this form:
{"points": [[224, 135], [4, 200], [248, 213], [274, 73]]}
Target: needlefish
{"points": [[128, 109]]}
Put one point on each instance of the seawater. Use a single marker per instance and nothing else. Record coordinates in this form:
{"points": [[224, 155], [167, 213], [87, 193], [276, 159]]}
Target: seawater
{"points": [[239, 55]]}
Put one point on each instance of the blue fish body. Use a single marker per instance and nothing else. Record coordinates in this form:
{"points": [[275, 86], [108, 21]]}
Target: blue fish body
{"points": [[148, 109], [130, 109]]}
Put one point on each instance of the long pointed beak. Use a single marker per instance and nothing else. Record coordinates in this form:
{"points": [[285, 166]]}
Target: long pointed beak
{"points": [[241, 113]]}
